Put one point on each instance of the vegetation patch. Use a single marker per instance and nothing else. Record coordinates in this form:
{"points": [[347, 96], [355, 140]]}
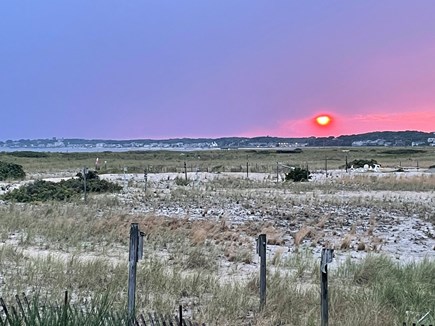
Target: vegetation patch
{"points": [[403, 151], [361, 163], [181, 181], [28, 154], [289, 151], [41, 190], [298, 175], [11, 171]]}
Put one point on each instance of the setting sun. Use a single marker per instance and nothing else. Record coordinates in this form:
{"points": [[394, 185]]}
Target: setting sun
{"points": [[323, 120]]}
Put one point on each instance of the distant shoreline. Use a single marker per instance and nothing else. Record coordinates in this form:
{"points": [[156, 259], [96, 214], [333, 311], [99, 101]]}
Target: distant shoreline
{"points": [[99, 149]]}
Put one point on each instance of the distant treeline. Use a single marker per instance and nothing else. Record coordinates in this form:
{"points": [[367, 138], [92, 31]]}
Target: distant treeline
{"points": [[401, 138]]}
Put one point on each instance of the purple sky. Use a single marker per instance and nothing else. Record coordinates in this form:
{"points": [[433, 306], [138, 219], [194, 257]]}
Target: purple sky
{"points": [[158, 69]]}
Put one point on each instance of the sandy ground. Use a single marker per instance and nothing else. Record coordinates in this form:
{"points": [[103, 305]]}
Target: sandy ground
{"points": [[400, 235]]}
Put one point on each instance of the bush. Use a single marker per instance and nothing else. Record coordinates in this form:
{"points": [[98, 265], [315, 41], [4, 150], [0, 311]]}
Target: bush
{"points": [[64, 190], [298, 175], [11, 171], [360, 163], [181, 181]]}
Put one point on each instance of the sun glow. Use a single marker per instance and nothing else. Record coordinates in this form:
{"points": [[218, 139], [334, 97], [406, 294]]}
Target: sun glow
{"points": [[323, 120]]}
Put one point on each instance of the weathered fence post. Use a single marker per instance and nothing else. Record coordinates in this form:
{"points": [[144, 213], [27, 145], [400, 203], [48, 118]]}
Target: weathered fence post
{"points": [[325, 259], [135, 253], [306, 171], [125, 179], [85, 170], [145, 176], [277, 172], [185, 171], [326, 165], [346, 163], [261, 251], [247, 170], [65, 309]]}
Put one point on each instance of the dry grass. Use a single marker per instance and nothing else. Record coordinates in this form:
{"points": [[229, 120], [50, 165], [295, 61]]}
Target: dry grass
{"points": [[302, 234], [345, 243], [200, 246], [273, 235]]}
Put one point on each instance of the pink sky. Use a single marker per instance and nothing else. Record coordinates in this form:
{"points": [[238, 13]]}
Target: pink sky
{"points": [[343, 124]]}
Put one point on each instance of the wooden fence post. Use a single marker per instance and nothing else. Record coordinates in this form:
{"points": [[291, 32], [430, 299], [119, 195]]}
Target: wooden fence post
{"points": [[247, 170], [145, 176], [306, 171], [185, 171], [125, 179], [261, 250], [132, 267], [65, 309], [85, 170], [325, 259], [277, 172]]}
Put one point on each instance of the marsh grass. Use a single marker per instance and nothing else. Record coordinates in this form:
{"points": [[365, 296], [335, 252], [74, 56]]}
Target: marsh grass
{"points": [[263, 161]]}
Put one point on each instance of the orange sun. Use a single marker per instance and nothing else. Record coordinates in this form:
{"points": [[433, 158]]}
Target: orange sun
{"points": [[323, 120]]}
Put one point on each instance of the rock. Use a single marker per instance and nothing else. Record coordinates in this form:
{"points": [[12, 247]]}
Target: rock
{"points": [[361, 246]]}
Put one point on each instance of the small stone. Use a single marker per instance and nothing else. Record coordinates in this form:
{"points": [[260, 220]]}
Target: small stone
{"points": [[361, 246]]}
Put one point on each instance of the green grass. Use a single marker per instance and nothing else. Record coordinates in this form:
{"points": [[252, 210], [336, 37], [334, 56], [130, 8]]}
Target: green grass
{"points": [[217, 160]]}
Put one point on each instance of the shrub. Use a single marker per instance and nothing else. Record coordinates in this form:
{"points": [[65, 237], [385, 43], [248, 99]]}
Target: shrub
{"points": [[181, 181], [40, 191], [64, 190], [298, 175], [11, 171], [360, 163]]}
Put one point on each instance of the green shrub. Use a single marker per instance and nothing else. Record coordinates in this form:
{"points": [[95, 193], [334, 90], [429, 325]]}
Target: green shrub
{"points": [[64, 190], [360, 163], [11, 171], [298, 175]]}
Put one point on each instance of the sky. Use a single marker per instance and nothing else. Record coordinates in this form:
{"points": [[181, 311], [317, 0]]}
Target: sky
{"points": [[139, 69]]}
